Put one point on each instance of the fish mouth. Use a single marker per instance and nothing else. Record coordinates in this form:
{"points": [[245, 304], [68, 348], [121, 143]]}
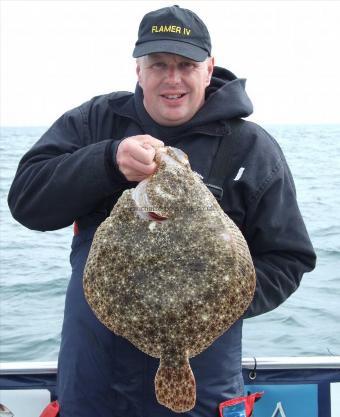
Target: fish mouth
{"points": [[156, 217], [155, 212], [140, 197]]}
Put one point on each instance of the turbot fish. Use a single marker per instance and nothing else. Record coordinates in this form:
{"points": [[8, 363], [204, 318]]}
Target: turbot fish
{"points": [[169, 271]]}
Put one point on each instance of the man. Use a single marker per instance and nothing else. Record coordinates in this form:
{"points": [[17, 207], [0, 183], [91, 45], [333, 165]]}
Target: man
{"points": [[80, 166]]}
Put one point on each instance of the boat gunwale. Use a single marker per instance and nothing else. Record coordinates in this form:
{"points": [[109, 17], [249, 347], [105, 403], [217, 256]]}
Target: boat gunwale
{"points": [[261, 363]]}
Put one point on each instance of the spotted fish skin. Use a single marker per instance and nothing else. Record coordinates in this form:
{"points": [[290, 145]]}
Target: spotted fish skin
{"points": [[169, 286]]}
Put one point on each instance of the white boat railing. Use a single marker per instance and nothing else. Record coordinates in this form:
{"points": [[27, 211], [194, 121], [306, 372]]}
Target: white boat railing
{"points": [[293, 362], [279, 362]]}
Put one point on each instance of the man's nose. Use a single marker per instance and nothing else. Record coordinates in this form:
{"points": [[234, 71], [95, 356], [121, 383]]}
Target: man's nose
{"points": [[173, 74]]}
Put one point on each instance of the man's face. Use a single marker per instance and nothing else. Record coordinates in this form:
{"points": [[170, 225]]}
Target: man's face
{"points": [[173, 86]]}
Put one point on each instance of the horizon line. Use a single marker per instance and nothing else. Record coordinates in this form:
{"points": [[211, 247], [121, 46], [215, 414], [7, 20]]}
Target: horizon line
{"points": [[262, 123]]}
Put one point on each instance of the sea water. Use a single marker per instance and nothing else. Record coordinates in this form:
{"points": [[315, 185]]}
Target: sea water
{"points": [[35, 270]]}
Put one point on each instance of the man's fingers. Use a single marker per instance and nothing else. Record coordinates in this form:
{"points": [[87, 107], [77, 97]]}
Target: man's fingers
{"points": [[135, 156], [131, 165], [147, 139], [143, 153], [134, 170]]}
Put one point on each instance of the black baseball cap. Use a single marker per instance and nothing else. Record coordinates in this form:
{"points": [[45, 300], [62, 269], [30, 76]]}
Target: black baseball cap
{"points": [[173, 30]]}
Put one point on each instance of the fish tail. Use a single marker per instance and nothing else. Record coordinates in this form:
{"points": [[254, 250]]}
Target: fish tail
{"points": [[175, 386]]}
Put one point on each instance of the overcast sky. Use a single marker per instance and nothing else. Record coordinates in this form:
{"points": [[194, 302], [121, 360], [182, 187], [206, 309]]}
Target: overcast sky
{"points": [[57, 54]]}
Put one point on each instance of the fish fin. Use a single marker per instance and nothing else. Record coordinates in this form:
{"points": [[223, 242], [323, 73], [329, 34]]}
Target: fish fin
{"points": [[176, 387]]}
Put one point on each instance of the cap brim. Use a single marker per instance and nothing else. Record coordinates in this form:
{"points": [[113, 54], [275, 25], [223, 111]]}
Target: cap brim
{"points": [[171, 47]]}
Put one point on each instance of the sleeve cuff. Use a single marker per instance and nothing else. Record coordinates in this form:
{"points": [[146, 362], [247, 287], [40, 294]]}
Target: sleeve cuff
{"points": [[118, 179]]}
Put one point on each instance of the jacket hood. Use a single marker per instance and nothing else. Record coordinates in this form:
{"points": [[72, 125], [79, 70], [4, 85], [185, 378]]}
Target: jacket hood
{"points": [[226, 99]]}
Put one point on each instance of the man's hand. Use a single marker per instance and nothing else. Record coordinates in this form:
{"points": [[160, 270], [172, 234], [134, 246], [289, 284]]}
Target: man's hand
{"points": [[135, 156]]}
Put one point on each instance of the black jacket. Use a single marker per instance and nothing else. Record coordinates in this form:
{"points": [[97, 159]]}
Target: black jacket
{"points": [[71, 174]]}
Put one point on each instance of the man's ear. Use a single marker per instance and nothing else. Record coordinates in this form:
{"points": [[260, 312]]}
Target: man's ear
{"points": [[138, 70], [210, 63]]}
